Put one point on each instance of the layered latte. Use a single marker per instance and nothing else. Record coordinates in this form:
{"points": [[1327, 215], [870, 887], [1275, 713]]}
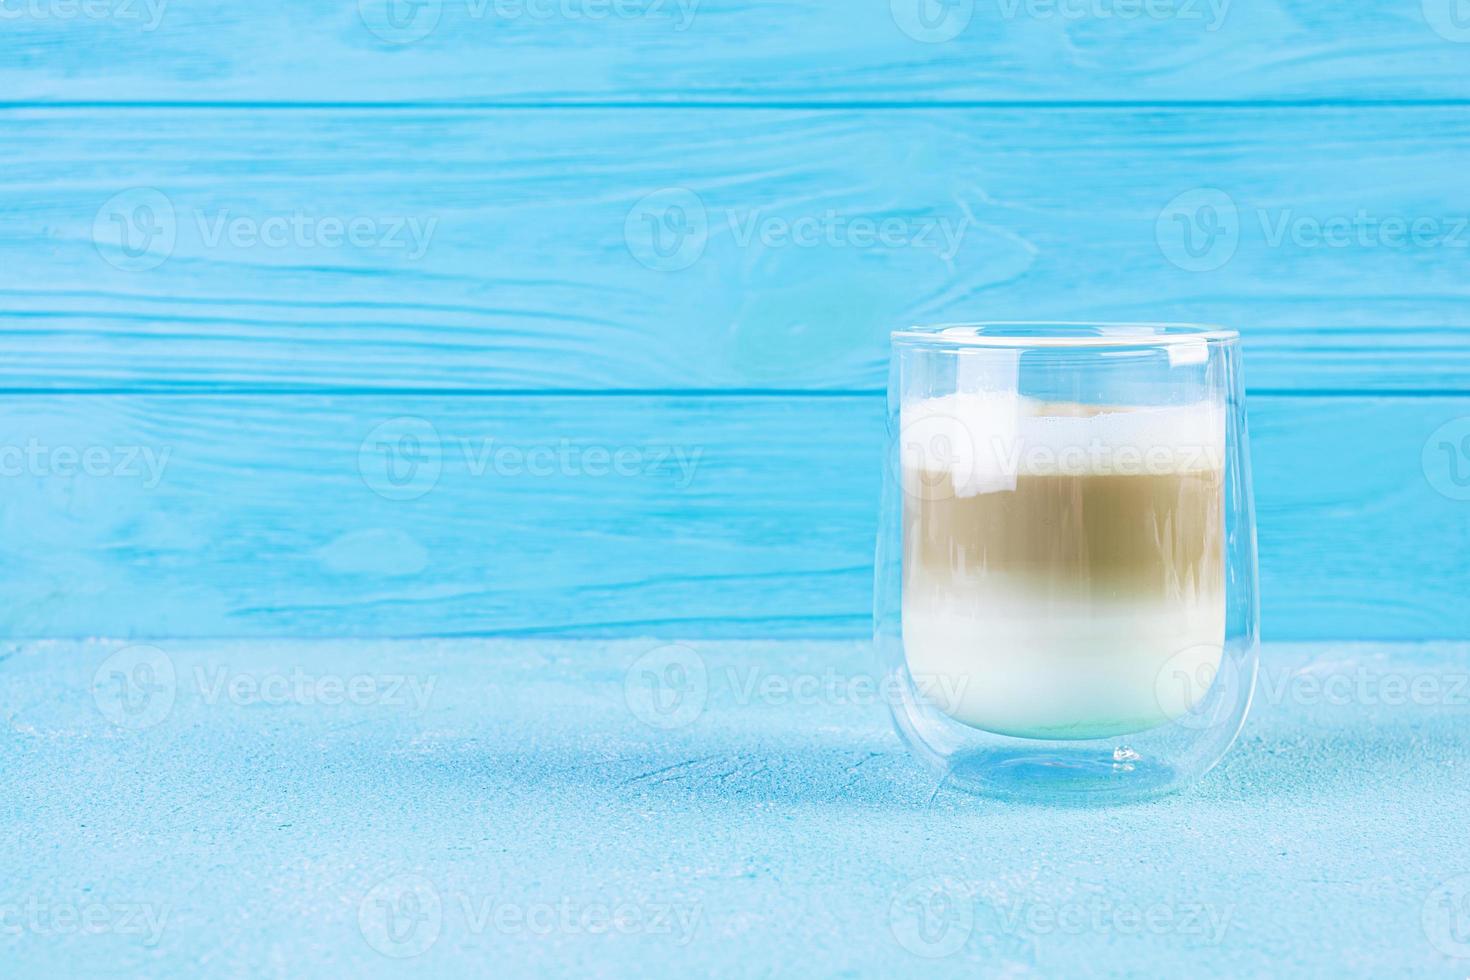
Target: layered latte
{"points": [[1063, 563]]}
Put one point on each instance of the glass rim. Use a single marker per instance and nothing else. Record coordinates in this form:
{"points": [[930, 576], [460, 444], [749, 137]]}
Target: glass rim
{"points": [[1020, 334]]}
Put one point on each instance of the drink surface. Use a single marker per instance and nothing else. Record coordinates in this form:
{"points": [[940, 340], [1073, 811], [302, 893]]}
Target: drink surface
{"points": [[1063, 564]]}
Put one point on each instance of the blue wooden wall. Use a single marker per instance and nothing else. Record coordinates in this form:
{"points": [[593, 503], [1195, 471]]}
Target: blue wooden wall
{"points": [[570, 316]]}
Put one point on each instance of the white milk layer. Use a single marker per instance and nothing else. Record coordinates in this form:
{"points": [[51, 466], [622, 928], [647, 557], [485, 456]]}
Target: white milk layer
{"points": [[1039, 670]]}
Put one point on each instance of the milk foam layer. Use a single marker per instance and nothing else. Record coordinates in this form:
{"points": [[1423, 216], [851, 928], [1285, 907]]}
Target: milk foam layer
{"points": [[984, 441], [1063, 564]]}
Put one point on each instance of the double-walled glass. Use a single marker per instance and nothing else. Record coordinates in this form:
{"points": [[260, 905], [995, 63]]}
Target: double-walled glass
{"points": [[1066, 601]]}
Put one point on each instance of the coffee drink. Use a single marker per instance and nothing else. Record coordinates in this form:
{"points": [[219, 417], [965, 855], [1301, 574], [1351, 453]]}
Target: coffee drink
{"points": [[1063, 564]]}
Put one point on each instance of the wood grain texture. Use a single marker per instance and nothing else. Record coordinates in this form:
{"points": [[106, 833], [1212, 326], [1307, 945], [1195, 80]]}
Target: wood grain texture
{"points": [[279, 516], [556, 51], [705, 249]]}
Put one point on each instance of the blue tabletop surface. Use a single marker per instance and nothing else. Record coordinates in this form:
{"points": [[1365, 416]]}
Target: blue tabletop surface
{"points": [[510, 808]]}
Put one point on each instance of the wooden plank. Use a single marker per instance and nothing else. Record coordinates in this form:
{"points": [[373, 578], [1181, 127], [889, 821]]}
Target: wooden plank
{"points": [[557, 51], [216, 516], [489, 250]]}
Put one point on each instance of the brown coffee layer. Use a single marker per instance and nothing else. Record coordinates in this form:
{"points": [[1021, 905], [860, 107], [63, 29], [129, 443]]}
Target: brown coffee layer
{"points": [[1149, 537]]}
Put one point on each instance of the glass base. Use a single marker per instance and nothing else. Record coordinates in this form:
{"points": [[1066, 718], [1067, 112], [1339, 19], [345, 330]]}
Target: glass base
{"points": [[1118, 769], [1049, 774]]}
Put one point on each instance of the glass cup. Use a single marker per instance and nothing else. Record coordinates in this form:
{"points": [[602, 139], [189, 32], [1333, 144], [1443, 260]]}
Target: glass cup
{"points": [[1066, 603]]}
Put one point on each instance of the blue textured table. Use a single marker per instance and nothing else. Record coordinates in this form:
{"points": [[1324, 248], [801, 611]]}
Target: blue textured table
{"points": [[505, 808]]}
